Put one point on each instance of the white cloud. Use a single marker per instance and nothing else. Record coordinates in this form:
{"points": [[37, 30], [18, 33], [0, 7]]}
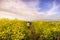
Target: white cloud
{"points": [[52, 11], [18, 9]]}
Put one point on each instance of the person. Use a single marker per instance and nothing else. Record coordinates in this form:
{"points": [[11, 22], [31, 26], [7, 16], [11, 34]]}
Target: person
{"points": [[28, 24]]}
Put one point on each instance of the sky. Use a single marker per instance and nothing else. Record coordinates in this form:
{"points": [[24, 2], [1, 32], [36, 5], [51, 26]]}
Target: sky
{"points": [[50, 9], [30, 9]]}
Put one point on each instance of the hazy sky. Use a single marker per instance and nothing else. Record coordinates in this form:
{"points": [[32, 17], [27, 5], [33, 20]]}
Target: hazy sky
{"points": [[48, 8], [32, 9]]}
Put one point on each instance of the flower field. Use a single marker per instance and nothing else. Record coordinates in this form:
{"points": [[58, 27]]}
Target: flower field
{"points": [[13, 30], [46, 30], [38, 30]]}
